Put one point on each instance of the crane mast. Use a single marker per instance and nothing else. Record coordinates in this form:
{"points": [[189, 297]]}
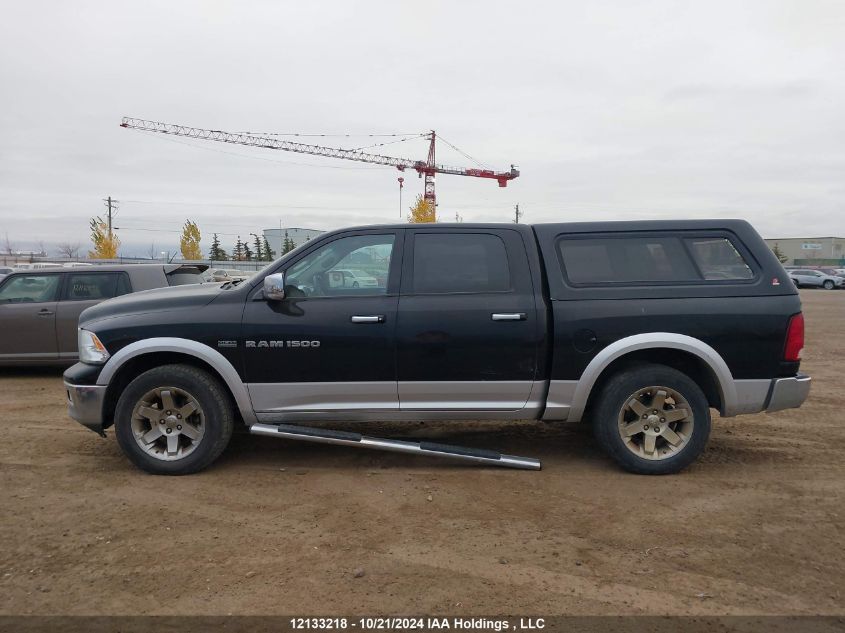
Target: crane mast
{"points": [[427, 168]]}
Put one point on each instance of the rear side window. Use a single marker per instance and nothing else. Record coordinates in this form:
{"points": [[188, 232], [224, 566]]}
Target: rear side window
{"points": [[626, 260], [95, 286], [460, 262], [717, 259], [655, 259]]}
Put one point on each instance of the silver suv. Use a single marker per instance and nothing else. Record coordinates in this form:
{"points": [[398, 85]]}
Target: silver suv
{"points": [[804, 277]]}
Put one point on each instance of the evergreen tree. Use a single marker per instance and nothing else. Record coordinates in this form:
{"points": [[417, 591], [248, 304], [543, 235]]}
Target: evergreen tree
{"points": [[238, 250], [259, 248], [248, 256], [269, 253], [288, 244], [216, 252]]}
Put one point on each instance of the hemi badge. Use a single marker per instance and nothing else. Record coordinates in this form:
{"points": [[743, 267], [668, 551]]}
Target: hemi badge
{"points": [[227, 343]]}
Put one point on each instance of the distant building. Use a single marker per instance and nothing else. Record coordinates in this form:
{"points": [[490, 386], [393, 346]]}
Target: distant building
{"points": [[811, 251], [275, 237]]}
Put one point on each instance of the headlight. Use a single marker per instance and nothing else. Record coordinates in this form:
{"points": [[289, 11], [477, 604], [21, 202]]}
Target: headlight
{"points": [[91, 349]]}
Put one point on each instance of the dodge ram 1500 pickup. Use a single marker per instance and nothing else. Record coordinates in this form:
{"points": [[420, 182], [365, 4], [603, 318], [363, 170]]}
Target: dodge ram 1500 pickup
{"points": [[637, 327]]}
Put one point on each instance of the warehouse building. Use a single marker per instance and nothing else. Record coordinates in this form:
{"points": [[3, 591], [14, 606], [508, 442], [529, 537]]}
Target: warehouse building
{"points": [[276, 237], [810, 251]]}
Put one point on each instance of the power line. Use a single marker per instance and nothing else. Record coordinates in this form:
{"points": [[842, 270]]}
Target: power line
{"points": [[461, 152]]}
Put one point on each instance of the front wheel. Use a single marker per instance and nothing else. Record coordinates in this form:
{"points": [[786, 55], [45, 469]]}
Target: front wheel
{"points": [[174, 420], [828, 284], [652, 420]]}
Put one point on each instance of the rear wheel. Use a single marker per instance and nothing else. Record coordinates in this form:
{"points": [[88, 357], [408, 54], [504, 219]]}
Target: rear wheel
{"points": [[174, 420], [652, 420], [828, 284]]}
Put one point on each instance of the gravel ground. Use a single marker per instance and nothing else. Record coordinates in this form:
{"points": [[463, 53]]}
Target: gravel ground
{"points": [[275, 527]]}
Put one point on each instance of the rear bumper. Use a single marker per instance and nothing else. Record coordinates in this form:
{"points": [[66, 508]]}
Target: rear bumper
{"points": [[85, 405], [788, 393]]}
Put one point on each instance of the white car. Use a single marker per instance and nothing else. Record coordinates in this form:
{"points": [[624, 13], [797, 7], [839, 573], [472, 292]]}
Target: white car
{"points": [[227, 274], [350, 278]]}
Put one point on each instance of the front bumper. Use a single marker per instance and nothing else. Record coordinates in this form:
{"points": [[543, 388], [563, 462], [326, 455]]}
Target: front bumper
{"points": [[788, 393], [85, 405]]}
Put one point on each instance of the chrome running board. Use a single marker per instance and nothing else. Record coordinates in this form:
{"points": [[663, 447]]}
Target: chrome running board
{"points": [[348, 438]]}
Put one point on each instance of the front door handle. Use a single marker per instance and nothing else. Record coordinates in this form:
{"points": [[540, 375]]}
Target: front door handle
{"points": [[508, 316], [370, 318], [46, 313]]}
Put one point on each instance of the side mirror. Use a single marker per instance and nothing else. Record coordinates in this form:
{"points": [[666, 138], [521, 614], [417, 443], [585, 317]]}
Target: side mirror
{"points": [[274, 287]]}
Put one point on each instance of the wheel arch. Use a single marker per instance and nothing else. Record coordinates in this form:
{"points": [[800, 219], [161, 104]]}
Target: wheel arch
{"points": [[684, 353], [140, 356]]}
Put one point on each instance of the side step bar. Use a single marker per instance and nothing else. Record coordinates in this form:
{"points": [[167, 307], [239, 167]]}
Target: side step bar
{"points": [[348, 438]]}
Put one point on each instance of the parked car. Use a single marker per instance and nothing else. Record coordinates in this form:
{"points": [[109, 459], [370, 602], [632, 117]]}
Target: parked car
{"points": [[39, 309], [350, 278], [599, 321], [228, 274], [809, 278], [76, 264], [5, 270]]}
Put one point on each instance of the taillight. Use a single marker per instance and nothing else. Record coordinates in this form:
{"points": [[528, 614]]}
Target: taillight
{"points": [[794, 338]]}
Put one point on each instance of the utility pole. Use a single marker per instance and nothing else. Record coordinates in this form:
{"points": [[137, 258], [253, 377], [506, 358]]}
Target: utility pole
{"points": [[517, 214], [111, 205]]}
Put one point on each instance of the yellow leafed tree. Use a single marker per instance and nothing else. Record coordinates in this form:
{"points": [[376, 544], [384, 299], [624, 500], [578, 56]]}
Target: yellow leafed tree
{"points": [[105, 244], [190, 241], [423, 211]]}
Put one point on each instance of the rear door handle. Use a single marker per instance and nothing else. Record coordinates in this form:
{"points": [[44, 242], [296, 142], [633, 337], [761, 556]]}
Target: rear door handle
{"points": [[508, 316], [46, 313], [370, 318]]}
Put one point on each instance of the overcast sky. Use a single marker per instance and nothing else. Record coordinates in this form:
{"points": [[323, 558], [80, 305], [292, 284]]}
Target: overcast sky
{"points": [[611, 110]]}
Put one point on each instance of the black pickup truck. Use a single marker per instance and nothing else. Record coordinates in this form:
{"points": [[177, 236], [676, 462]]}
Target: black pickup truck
{"points": [[638, 327]]}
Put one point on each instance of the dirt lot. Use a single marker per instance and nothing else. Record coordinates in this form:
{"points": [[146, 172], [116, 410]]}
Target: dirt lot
{"points": [[276, 527]]}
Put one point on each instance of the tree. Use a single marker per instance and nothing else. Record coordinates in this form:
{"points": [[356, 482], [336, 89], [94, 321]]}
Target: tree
{"points": [[259, 248], [779, 254], [269, 253], [238, 250], [248, 256], [216, 251], [287, 244], [189, 242], [422, 212], [66, 249], [105, 242]]}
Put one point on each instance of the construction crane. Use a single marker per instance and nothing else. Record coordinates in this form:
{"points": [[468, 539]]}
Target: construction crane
{"points": [[424, 168]]}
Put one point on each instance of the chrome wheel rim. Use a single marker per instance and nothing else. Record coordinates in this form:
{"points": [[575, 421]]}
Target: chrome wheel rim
{"points": [[168, 423], [656, 423]]}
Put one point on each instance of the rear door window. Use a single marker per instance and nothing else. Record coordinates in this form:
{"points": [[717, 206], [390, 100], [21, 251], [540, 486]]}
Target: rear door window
{"points": [[95, 286], [460, 262]]}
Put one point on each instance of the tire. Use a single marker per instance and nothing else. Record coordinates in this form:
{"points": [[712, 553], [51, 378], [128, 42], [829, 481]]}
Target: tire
{"points": [[626, 403], [162, 444], [355, 284], [828, 284]]}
